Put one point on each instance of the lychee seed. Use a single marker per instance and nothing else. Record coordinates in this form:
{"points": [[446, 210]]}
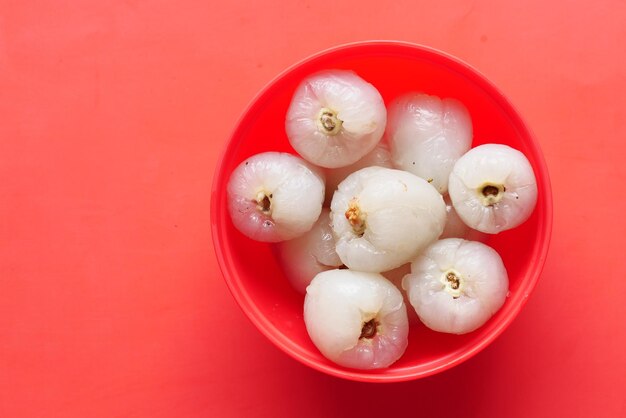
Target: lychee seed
{"points": [[329, 123], [369, 329], [264, 203], [452, 283], [356, 218], [453, 280], [490, 191]]}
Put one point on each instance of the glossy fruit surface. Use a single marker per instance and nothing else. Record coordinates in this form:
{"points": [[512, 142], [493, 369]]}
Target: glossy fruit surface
{"points": [[456, 285], [382, 218], [358, 320], [335, 118], [275, 196]]}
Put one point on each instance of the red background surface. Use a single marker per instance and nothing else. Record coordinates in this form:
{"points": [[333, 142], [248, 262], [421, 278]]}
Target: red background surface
{"points": [[112, 118]]}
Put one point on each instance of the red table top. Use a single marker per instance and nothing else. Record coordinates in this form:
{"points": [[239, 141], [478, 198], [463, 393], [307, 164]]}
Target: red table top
{"points": [[112, 118]]}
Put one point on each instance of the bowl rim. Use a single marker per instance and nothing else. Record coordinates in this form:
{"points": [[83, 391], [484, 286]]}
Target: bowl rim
{"points": [[526, 287]]}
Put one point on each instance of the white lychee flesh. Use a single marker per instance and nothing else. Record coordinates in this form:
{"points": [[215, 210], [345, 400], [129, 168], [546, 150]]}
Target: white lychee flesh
{"points": [[379, 157], [356, 319], [427, 135], [493, 188], [304, 257], [456, 285], [455, 227], [382, 218], [335, 118], [396, 276], [275, 196]]}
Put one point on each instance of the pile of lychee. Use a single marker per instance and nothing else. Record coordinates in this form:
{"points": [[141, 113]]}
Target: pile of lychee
{"points": [[381, 199]]}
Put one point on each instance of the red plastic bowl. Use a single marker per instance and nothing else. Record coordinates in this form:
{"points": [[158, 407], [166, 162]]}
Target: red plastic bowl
{"points": [[394, 68]]}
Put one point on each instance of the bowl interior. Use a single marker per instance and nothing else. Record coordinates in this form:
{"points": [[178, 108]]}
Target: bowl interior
{"points": [[250, 268]]}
